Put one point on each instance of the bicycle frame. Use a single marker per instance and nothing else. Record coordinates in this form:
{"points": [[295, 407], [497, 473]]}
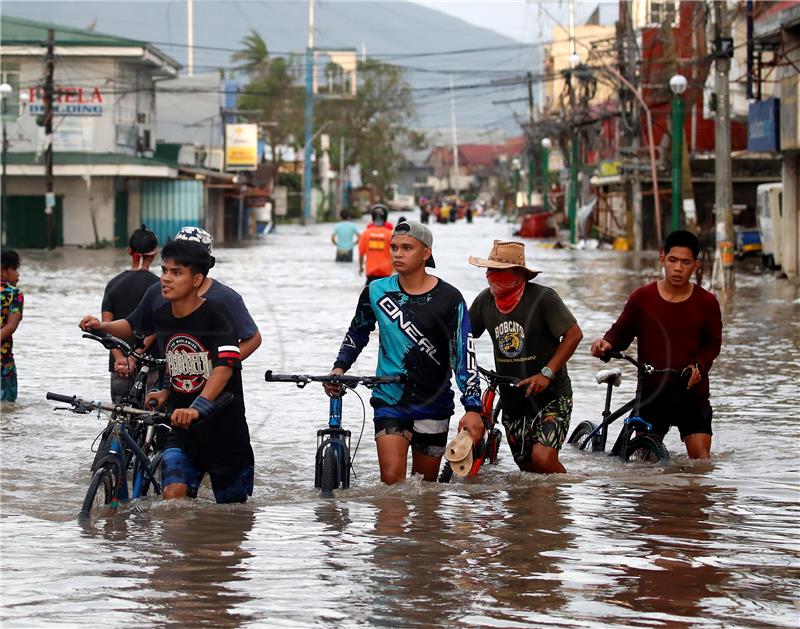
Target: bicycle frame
{"points": [[338, 439]]}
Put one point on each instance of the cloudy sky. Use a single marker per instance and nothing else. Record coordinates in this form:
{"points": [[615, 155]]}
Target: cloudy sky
{"points": [[522, 19]]}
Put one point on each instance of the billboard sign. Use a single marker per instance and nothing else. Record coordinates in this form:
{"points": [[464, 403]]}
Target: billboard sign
{"points": [[763, 125], [241, 146]]}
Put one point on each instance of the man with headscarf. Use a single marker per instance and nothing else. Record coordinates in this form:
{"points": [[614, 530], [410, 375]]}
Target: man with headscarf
{"points": [[534, 335]]}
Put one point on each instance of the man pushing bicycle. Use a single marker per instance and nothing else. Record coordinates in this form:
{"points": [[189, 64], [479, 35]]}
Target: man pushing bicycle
{"points": [[534, 335], [678, 325], [425, 336]]}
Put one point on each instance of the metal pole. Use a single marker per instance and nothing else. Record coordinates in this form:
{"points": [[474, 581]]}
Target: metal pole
{"points": [[723, 186], [49, 91], [5, 152], [190, 37], [677, 160], [341, 173], [545, 181], [456, 187], [309, 115], [573, 186]]}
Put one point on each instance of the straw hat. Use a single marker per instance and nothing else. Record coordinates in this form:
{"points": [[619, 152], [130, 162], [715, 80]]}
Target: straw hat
{"points": [[505, 255]]}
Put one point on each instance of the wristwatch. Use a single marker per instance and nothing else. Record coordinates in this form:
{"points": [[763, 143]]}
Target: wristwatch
{"points": [[548, 373]]}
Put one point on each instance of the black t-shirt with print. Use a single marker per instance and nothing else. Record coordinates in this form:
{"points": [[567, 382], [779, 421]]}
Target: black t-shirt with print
{"points": [[524, 340], [193, 345], [123, 293]]}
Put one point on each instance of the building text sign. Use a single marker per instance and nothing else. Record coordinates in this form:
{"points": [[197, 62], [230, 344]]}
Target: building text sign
{"points": [[68, 101]]}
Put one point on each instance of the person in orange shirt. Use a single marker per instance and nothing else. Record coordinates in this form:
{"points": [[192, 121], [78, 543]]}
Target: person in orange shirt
{"points": [[373, 246]]}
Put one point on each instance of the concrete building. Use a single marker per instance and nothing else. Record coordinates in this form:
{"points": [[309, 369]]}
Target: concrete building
{"points": [[110, 175]]}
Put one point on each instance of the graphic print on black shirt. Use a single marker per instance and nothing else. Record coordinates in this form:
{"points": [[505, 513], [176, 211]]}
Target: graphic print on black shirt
{"points": [[194, 345]]}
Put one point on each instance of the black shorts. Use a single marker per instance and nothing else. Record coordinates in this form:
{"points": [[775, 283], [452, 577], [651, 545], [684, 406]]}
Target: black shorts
{"points": [[688, 412]]}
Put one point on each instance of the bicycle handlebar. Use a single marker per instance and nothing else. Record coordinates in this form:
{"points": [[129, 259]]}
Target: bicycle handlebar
{"points": [[146, 417], [645, 367], [112, 342], [302, 380], [493, 376]]}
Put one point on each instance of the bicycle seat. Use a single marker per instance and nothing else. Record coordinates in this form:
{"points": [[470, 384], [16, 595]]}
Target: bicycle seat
{"points": [[609, 375]]}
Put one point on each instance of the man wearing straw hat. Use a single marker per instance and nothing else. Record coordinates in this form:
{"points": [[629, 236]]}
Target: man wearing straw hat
{"points": [[534, 335]]}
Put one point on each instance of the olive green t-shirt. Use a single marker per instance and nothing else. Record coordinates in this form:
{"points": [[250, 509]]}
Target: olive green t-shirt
{"points": [[524, 341]]}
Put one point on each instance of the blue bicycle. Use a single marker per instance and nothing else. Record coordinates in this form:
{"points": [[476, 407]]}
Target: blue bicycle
{"points": [[332, 462], [636, 440], [109, 484]]}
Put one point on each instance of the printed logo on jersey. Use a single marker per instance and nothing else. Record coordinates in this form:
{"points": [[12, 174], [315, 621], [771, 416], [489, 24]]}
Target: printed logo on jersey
{"points": [[510, 338], [188, 363], [409, 328]]}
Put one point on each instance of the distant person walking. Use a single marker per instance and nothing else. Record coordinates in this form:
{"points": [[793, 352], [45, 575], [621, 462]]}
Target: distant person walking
{"points": [[11, 302], [374, 257], [345, 236], [123, 293]]}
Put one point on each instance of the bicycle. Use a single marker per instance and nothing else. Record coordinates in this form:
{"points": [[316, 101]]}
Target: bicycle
{"points": [[144, 436], [333, 462], [489, 445], [645, 446], [109, 482]]}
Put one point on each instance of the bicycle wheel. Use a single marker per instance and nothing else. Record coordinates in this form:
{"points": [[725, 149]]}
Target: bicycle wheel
{"points": [[100, 498], [330, 473], [647, 449], [578, 437]]}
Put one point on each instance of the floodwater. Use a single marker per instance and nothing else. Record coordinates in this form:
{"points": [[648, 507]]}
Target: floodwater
{"points": [[684, 544]]}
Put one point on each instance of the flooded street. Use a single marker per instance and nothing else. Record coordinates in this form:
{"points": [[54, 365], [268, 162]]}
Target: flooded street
{"points": [[695, 544]]}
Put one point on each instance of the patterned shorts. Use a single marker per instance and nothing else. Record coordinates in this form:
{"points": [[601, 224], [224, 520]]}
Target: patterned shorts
{"points": [[233, 486], [548, 428], [9, 385]]}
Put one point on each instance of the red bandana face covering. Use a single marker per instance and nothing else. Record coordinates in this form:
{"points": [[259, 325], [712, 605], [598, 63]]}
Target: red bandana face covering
{"points": [[507, 288]]}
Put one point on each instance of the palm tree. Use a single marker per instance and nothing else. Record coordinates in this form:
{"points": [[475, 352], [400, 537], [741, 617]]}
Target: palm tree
{"points": [[253, 58]]}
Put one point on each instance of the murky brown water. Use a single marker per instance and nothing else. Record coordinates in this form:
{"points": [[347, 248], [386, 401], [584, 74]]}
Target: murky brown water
{"points": [[686, 544]]}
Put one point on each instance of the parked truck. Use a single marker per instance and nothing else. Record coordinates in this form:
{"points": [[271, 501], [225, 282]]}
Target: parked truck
{"points": [[769, 213]]}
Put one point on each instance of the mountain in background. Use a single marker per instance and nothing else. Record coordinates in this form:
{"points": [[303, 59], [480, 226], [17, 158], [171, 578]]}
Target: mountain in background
{"points": [[431, 46]]}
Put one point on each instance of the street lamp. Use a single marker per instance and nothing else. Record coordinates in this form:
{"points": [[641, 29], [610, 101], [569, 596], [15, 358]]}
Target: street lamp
{"points": [[546, 144], [677, 84]]}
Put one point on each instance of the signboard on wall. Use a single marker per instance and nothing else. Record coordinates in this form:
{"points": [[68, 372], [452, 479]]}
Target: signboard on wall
{"points": [[241, 146], [763, 125]]}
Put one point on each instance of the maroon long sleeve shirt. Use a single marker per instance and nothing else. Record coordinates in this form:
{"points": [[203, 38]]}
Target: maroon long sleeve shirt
{"points": [[670, 335]]}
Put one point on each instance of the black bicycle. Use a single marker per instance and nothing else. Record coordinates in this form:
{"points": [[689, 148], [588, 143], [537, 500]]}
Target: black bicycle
{"points": [[636, 440], [109, 484], [333, 462]]}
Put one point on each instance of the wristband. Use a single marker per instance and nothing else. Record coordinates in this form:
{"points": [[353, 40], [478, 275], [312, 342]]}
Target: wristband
{"points": [[203, 406]]}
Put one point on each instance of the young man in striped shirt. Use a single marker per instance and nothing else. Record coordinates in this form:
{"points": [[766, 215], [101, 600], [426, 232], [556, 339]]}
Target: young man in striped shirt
{"points": [[199, 341]]}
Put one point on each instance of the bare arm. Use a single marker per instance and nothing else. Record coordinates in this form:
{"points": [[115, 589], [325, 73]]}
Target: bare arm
{"points": [[566, 348], [183, 417], [107, 317], [248, 346], [119, 327], [11, 326]]}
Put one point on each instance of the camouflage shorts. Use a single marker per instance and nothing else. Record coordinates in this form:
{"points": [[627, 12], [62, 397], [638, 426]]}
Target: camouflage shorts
{"points": [[548, 428]]}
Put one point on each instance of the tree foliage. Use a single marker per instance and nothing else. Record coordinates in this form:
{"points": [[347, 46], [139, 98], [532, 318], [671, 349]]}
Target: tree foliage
{"points": [[375, 123]]}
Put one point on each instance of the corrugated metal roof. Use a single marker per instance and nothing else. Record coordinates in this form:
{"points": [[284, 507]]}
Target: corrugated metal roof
{"points": [[17, 31]]}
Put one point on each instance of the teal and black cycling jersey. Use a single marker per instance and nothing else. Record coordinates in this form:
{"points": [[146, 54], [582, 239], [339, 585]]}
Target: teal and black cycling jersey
{"points": [[424, 337]]}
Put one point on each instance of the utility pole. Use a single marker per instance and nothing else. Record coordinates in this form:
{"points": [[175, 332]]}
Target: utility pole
{"points": [[456, 185], [572, 199], [49, 92], [632, 130], [723, 186], [190, 37], [530, 138], [309, 137]]}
